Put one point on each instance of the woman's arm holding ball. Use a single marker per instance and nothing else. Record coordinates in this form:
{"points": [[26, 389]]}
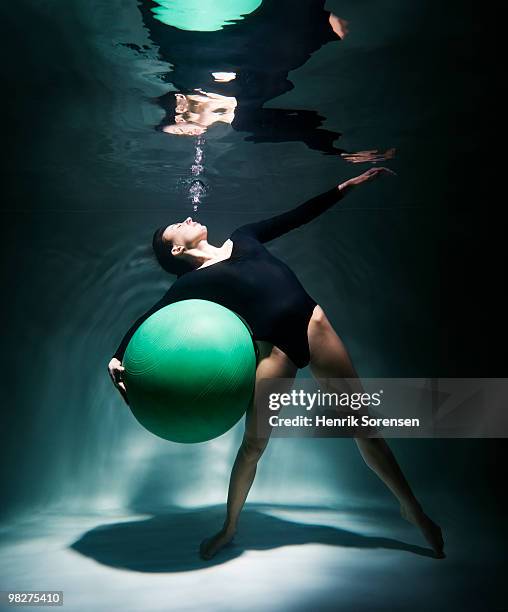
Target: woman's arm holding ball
{"points": [[116, 370]]}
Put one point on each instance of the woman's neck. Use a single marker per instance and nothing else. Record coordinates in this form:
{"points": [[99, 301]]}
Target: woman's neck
{"points": [[207, 254]]}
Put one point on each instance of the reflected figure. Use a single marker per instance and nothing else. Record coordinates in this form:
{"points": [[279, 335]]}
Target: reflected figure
{"points": [[372, 155], [194, 113], [247, 60]]}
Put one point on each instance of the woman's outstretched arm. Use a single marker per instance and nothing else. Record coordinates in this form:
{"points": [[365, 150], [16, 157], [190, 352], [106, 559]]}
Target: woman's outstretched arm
{"points": [[273, 227]]}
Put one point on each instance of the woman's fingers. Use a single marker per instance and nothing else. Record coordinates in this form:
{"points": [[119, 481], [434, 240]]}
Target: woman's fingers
{"points": [[375, 172], [381, 169], [368, 175], [116, 370], [123, 392], [120, 385]]}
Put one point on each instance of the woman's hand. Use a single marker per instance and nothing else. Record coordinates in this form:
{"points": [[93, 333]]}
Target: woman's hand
{"points": [[369, 175], [116, 370]]}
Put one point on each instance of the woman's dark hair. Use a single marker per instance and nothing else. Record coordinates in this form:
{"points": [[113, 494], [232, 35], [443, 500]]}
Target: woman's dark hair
{"points": [[169, 103], [162, 250]]}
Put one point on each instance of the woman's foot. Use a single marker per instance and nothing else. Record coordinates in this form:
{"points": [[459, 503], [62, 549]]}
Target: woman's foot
{"points": [[431, 532], [210, 546]]}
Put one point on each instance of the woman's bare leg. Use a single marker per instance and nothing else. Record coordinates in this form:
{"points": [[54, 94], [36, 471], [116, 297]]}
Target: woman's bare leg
{"points": [[330, 360], [273, 364]]}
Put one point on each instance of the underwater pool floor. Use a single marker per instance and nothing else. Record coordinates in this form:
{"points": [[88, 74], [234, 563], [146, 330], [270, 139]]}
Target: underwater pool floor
{"points": [[283, 558]]}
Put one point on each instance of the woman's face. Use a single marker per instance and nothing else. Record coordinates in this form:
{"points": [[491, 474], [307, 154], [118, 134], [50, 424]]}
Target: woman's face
{"points": [[182, 128], [186, 233]]}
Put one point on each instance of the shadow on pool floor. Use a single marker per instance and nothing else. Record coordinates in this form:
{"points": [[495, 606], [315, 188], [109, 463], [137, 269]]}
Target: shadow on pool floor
{"points": [[169, 542]]}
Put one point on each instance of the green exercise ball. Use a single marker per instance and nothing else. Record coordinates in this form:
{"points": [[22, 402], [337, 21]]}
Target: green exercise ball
{"points": [[190, 371], [202, 15]]}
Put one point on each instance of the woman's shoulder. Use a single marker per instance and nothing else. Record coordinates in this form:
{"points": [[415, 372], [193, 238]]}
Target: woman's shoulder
{"points": [[243, 233], [244, 243], [228, 244]]}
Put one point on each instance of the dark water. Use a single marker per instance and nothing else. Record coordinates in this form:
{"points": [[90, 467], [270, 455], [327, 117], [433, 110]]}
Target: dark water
{"points": [[89, 173]]}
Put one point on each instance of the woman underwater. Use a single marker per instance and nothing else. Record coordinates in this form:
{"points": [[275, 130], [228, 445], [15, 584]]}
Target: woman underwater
{"points": [[291, 331]]}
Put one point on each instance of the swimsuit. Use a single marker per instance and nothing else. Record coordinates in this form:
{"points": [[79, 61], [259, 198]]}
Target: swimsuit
{"points": [[254, 284]]}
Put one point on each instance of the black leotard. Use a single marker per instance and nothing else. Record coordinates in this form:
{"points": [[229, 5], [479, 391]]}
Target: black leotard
{"points": [[259, 287]]}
